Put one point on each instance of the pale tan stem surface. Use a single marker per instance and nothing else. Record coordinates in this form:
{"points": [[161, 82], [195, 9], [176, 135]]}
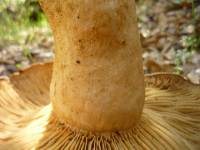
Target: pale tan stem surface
{"points": [[98, 81]]}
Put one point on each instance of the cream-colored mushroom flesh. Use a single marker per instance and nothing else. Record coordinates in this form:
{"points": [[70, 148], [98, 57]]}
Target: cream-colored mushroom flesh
{"points": [[98, 81], [95, 96]]}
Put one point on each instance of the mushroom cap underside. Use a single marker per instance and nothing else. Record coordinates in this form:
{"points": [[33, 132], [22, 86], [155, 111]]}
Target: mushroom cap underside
{"points": [[170, 119]]}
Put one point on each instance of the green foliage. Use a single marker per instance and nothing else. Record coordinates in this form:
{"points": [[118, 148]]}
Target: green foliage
{"points": [[33, 13], [192, 43], [17, 17], [27, 53], [18, 65], [181, 58]]}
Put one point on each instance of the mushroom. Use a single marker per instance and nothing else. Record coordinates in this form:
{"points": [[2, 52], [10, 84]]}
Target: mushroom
{"points": [[99, 97]]}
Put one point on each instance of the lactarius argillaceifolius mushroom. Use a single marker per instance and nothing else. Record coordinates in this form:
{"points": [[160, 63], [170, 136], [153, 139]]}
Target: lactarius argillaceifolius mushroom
{"points": [[99, 98]]}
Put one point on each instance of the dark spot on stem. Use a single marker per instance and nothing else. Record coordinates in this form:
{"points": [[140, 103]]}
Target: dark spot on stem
{"points": [[78, 62], [123, 42]]}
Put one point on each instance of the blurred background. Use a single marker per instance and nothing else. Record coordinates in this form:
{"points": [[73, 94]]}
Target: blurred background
{"points": [[170, 36]]}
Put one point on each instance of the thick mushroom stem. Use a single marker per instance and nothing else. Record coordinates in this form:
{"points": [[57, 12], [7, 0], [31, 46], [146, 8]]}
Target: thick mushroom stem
{"points": [[98, 81]]}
